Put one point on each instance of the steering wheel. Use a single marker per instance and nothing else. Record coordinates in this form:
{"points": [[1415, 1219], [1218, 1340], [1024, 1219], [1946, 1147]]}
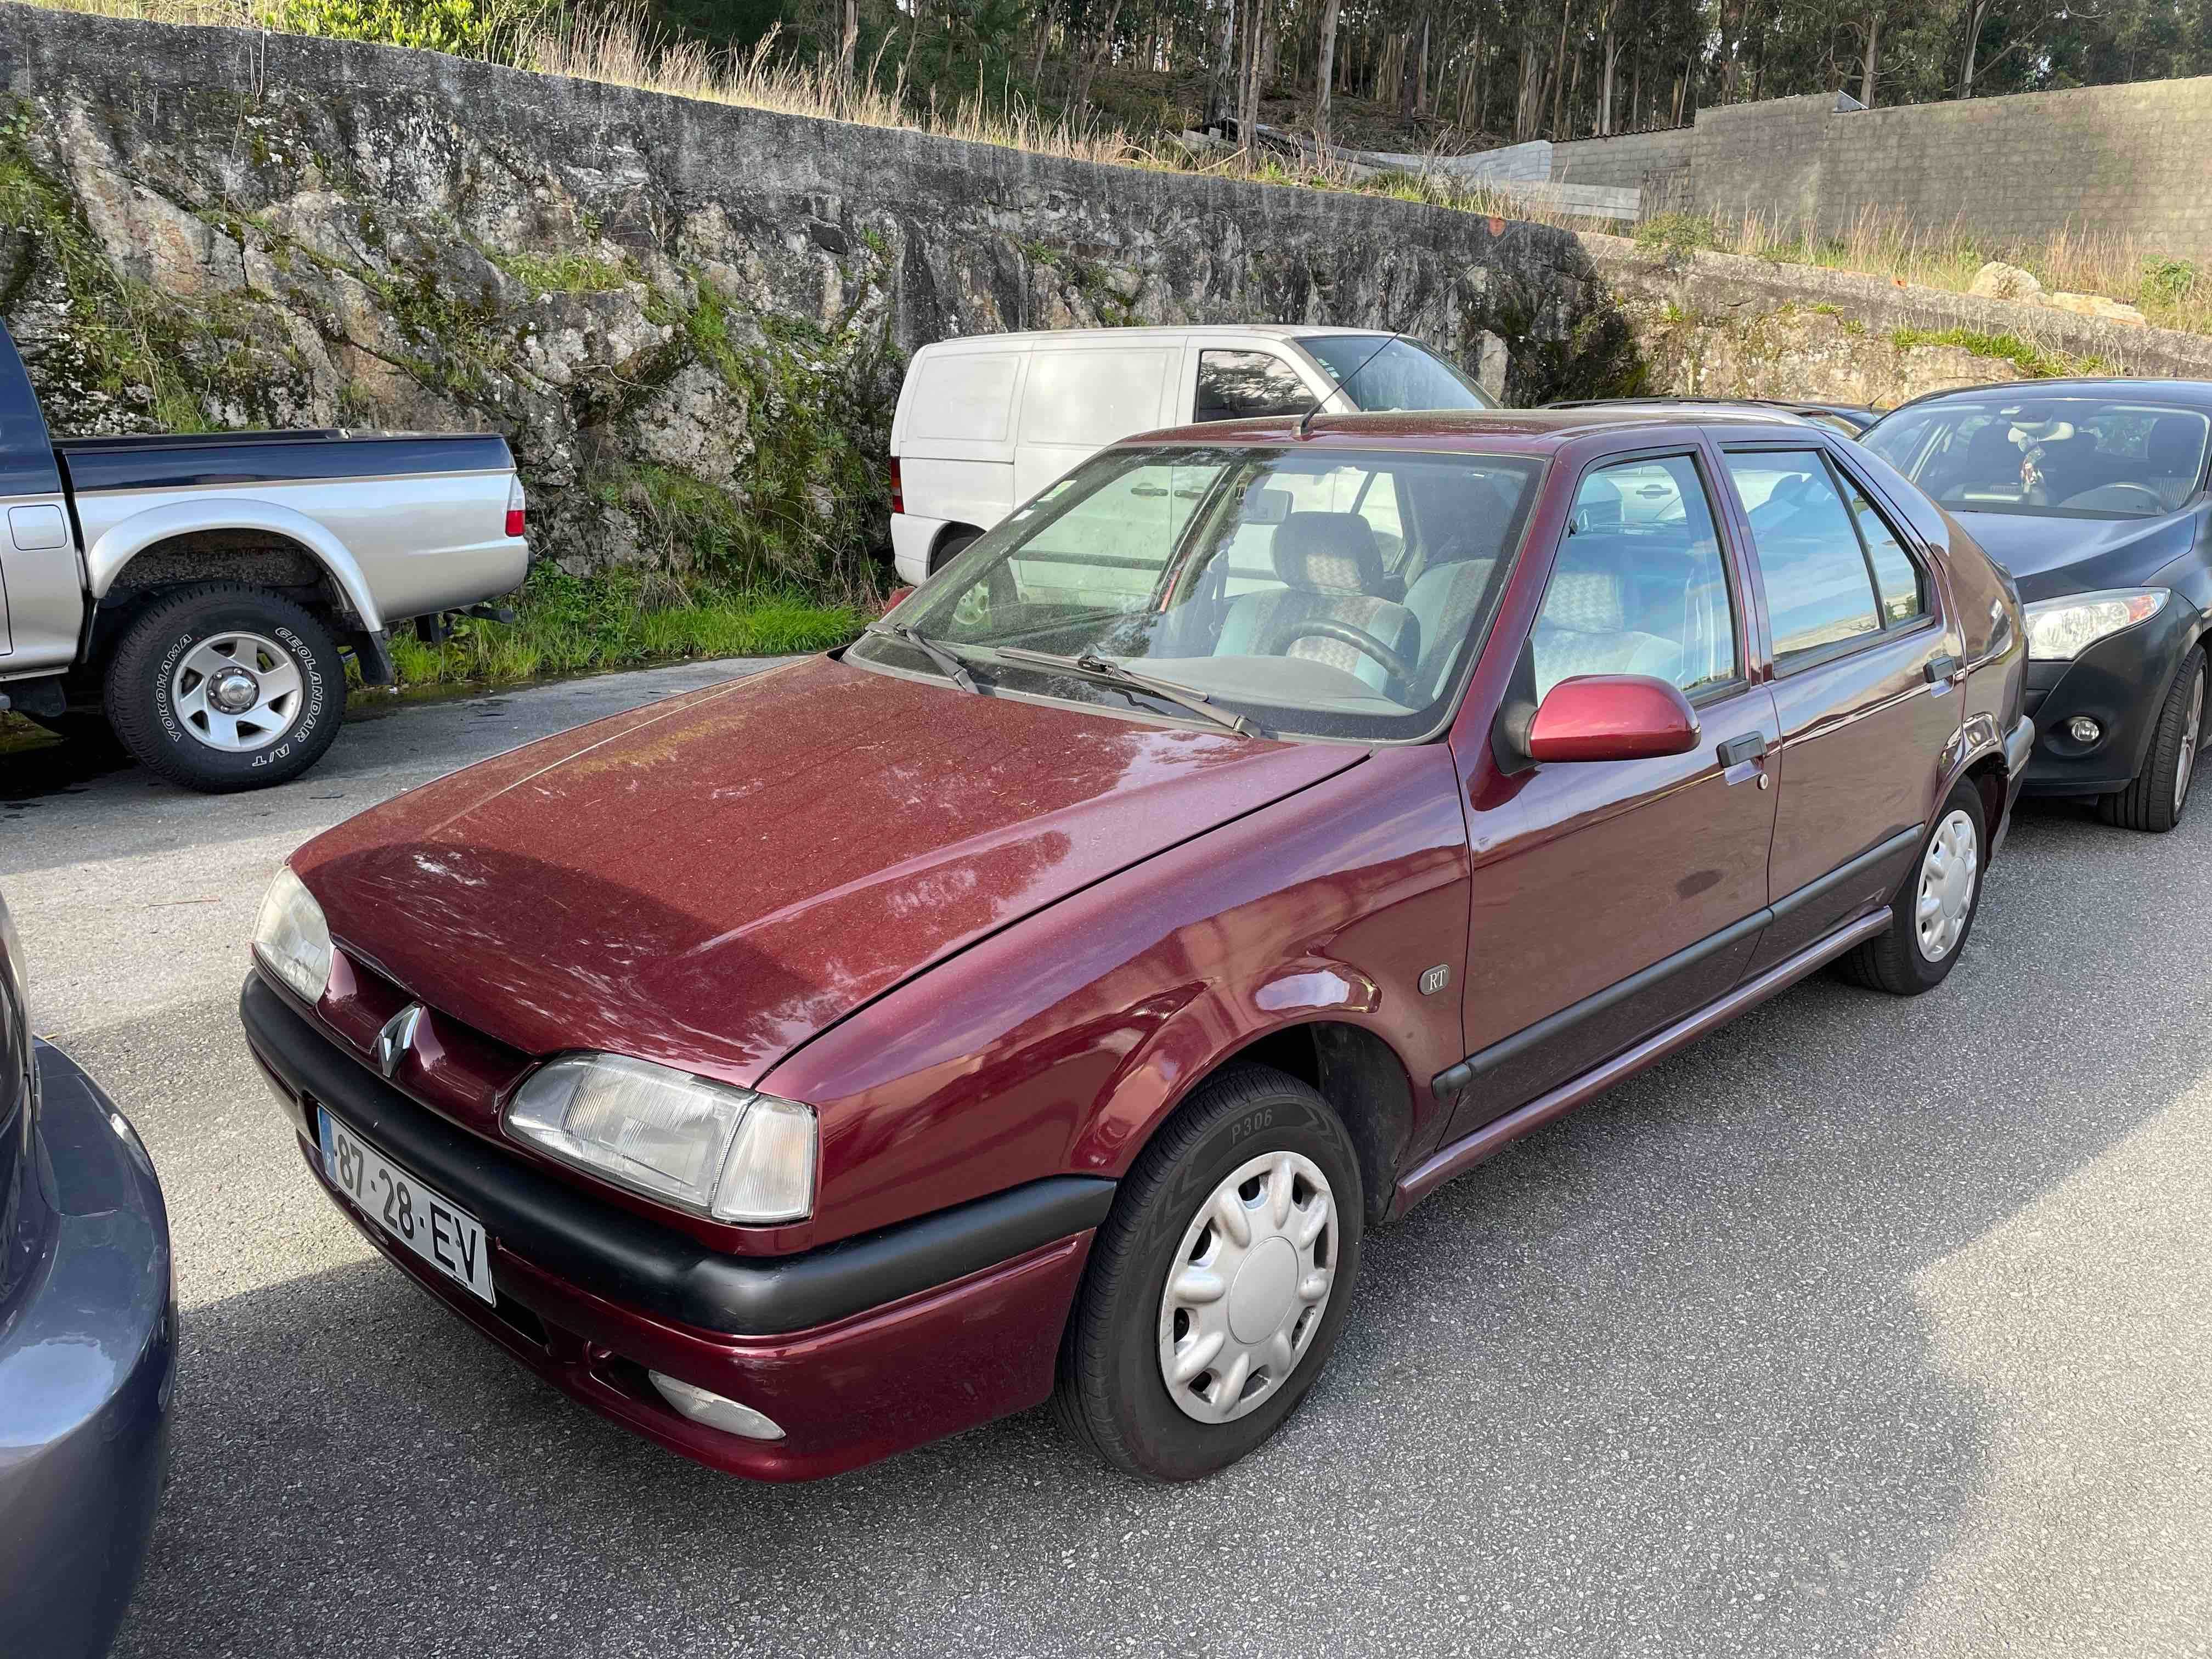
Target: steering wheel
{"points": [[1281, 638], [2157, 501]]}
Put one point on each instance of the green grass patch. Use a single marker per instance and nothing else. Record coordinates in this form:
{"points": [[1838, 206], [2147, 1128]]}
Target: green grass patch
{"points": [[569, 273], [576, 625], [2033, 362]]}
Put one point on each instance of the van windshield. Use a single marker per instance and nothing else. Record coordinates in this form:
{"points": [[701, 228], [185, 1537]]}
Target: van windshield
{"points": [[1399, 374], [1325, 594]]}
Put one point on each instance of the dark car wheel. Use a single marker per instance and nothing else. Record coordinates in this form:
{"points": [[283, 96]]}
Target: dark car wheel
{"points": [[222, 686], [2156, 799], [1217, 1285], [1934, 911]]}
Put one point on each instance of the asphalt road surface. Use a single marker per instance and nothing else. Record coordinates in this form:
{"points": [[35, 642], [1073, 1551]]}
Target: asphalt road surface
{"points": [[1863, 1327]]}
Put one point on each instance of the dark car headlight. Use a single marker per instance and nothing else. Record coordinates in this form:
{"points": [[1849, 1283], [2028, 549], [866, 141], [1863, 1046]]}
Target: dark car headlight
{"points": [[2059, 630]]}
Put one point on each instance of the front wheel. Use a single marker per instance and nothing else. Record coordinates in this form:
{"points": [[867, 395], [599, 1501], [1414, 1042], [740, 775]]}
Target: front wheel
{"points": [[1934, 910], [2154, 800], [1218, 1284], [222, 687]]}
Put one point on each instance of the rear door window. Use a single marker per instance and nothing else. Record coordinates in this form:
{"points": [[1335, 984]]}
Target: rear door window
{"points": [[1820, 584], [964, 395]]}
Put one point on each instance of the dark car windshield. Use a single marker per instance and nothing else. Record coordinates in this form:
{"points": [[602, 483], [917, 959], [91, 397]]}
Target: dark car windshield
{"points": [[2096, 457], [1322, 593], [1380, 375]]}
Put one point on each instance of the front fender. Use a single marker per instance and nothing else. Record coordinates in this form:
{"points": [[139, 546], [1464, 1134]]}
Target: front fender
{"points": [[1060, 1044], [123, 541]]}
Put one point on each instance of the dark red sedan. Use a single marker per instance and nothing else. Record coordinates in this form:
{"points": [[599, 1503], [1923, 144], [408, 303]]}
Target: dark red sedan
{"points": [[1044, 994]]}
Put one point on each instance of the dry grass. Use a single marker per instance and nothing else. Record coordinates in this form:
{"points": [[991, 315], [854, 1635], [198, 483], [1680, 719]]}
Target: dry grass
{"points": [[2171, 293]]}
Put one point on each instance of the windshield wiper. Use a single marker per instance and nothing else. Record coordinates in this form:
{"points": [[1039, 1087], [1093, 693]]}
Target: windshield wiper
{"points": [[953, 668], [1089, 664]]}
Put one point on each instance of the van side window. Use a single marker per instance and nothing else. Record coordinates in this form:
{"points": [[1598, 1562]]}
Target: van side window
{"points": [[1236, 386]]}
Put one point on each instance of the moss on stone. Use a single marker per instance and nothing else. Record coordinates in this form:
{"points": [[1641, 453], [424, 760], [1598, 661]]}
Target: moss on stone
{"points": [[2033, 362]]}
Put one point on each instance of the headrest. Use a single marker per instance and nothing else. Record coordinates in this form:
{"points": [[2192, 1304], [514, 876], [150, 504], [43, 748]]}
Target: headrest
{"points": [[2176, 443], [1588, 601], [1328, 553]]}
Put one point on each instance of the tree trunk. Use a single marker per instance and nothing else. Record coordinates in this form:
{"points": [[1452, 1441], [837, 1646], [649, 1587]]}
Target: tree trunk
{"points": [[1219, 103], [1605, 85], [1559, 72], [1873, 56], [848, 40], [1978, 13], [1324, 79]]}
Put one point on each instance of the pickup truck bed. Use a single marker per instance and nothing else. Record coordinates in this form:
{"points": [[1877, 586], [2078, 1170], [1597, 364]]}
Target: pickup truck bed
{"points": [[255, 557]]}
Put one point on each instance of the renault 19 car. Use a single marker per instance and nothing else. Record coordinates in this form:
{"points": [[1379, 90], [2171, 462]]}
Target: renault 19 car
{"points": [[1044, 995]]}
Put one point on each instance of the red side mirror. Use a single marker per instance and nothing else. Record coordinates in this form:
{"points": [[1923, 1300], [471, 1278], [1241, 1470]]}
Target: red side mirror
{"points": [[1612, 717]]}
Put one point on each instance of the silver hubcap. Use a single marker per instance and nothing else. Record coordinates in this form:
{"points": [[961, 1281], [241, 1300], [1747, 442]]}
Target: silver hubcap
{"points": [[1248, 1289], [1948, 874], [2190, 736], [236, 692]]}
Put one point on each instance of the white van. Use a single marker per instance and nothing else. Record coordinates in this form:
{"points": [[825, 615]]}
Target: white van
{"points": [[985, 422]]}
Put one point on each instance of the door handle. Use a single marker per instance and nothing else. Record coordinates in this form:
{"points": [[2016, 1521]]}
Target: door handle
{"points": [[1748, 747], [1941, 668]]}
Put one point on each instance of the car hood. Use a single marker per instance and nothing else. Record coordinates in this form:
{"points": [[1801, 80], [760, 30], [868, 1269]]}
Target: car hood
{"points": [[709, 881], [2050, 556]]}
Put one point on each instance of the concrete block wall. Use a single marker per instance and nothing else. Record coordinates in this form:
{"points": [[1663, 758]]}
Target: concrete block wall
{"points": [[1656, 163], [2134, 159]]}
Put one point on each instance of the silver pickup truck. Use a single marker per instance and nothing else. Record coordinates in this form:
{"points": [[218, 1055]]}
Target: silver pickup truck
{"points": [[198, 591]]}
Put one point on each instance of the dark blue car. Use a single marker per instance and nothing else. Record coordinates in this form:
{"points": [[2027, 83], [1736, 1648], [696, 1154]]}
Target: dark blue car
{"points": [[87, 1344], [2092, 494]]}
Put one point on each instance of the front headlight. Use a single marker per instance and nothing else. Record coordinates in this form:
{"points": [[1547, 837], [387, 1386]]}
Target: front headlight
{"points": [[291, 937], [716, 1150], [2059, 630]]}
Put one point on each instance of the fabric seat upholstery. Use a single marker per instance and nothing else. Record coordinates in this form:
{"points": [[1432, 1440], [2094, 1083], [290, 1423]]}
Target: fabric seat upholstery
{"points": [[1445, 600], [1331, 567], [1585, 630]]}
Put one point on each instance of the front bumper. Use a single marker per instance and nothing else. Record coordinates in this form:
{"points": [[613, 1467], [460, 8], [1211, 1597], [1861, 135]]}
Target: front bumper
{"points": [[88, 1368], [858, 1350], [2121, 683]]}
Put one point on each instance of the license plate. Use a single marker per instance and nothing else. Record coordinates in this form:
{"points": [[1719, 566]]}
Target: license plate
{"points": [[423, 1219]]}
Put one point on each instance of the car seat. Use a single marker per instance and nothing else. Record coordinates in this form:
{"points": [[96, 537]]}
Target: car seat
{"points": [[1331, 568]]}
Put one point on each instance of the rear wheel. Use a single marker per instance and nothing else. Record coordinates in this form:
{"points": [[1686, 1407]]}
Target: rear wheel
{"points": [[2159, 792], [1934, 911], [222, 687], [1218, 1284]]}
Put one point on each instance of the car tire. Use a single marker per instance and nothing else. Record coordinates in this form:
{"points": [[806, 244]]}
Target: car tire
{"points": [[1275, 1147], [2155, 800], [276, 709], [1906, 961]]}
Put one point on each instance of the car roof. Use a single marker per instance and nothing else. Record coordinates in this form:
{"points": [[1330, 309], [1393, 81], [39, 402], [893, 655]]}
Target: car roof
{"points": [[1534, 431], [2185, 394], [1270, 331], [1791, 403]]}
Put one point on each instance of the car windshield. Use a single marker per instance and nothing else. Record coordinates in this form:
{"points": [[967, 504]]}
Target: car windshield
{"points": [[2093, 458], [1315, 592], [1380, 375]]}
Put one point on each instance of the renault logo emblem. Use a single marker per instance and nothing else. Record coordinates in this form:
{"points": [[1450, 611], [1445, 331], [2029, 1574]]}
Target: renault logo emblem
{"points": [[396, 1037]]}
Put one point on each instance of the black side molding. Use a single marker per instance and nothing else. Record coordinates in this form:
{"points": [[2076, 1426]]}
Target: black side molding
{"points": [[614, 1253], [1453, 1078]]}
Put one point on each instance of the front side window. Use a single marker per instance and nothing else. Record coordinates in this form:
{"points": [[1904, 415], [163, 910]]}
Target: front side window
{"points": [[2094, 457], [1819, 586], [1640, 586], [1262, 579], [1236, 386], [1380, 373]]}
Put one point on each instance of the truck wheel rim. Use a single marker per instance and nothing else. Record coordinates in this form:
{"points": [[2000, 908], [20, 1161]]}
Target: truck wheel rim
{"points": [[2190, 736], [1948, 873], [1247, 1290], [236, 692]]}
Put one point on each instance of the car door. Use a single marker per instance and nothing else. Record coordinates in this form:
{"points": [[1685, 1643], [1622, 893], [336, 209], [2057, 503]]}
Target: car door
{"points": [[1862, 671], [1611, 898], [41, 578]]}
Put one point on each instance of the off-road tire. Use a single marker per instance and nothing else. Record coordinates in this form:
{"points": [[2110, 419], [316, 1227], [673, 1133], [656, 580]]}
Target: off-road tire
{"points": [[139, 680], [2148, 803], [1111, 1396]]}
